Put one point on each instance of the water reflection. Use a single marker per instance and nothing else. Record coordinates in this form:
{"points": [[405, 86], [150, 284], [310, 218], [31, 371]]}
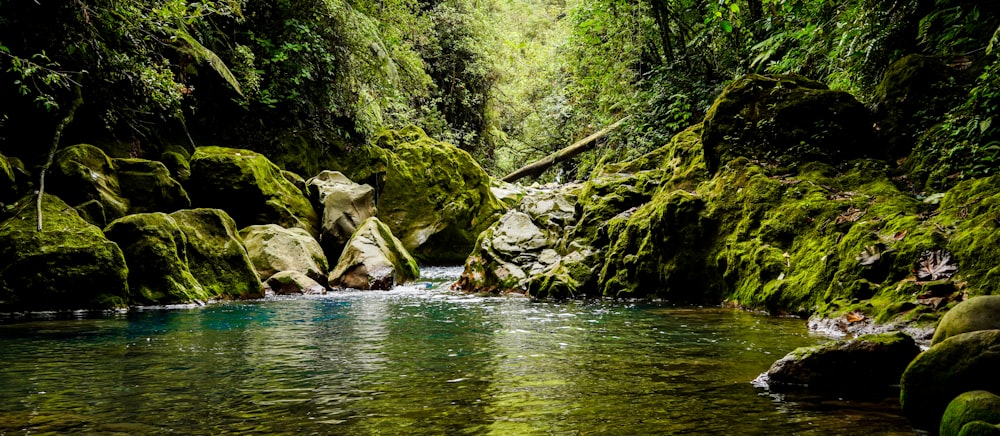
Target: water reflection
{"points": [[413, 361]]}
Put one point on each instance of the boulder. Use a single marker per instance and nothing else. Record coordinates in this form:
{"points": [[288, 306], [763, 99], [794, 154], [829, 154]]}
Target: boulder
{"points": [[863, 364], [433, 196], [81, 173], [273, 249], [70, 264], [785, 120], [960, 363], [249, 188], [186, 256], [373, 259], [177, 164], [974, 406], [977, 313], [148, 186], [292, 283], [344, 205]]}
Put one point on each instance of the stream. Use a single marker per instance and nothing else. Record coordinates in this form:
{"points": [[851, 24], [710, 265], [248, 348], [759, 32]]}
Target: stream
{"points": [[416, 360]]}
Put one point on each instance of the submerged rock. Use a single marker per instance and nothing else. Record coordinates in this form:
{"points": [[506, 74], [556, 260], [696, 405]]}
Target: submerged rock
{"points": [[978, 313], [373, 259], [960, 363], [249, 188], [70, 264], [186, 256], [273, 249], [344, 205], [972, 407], [860, 365], [785, 120]]}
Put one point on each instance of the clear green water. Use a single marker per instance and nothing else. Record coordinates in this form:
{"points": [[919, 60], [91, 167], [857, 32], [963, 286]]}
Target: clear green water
{"points": [[414, 362]]}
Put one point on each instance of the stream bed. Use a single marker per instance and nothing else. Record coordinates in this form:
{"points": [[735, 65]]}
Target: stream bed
{"points": [[416, 360]]}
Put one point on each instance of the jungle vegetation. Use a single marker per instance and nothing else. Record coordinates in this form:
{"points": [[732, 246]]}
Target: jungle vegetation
{"points": [[507, 80]]}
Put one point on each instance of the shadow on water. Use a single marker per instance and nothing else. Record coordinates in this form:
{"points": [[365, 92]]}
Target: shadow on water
{"points": [[416, 361]]}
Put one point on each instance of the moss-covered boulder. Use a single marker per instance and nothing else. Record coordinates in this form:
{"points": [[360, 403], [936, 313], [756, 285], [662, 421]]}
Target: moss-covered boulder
{"points": [[70, 264], [958, 364], [249, 188], [178, 165], [433, 195], [148, 186], [82, 173], [273, 249], [981, 406], [292, 283], [979, 313], [186, 256], [373, 259], [979, 428], [860, 365], [785, 120], [344, 205]]}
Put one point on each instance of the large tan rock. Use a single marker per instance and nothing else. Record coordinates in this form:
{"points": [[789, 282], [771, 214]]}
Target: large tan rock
{"points": [[373, 259], [273, 248], [344, 205]]}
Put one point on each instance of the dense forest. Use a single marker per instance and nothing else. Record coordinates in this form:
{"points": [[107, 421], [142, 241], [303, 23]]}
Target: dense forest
{"points": [[507, 80]]}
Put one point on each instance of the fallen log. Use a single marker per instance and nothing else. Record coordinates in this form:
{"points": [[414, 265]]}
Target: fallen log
{"points": [[538, 167]]}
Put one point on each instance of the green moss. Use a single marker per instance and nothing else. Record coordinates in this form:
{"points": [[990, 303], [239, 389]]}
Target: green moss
{"points": [[81, 173], [8, 182], [249, 188], [67, 265], [177, 164], [148, 186], [216, 255], [968, 407]]}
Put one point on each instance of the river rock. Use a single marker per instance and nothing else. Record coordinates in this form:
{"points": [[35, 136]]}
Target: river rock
{"points": [[83, 172], [187, 256], [70, 264], [961, 363], [785, 120], [981, 406], [345, 206], [148, 186], [862, 364], [977, 313], [250, 188], [434, 196], [373, 259], [292, 283], [273, 249]]}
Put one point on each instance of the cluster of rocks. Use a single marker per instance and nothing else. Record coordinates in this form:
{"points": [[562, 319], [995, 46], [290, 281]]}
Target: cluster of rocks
{"points": [[223, 223]]}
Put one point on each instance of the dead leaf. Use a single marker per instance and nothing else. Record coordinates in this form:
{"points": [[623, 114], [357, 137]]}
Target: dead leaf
{"points": [[853, 317], [899, 236], [851, 215], [935, 265]]}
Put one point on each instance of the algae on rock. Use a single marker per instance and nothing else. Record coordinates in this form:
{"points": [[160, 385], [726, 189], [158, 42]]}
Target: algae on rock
{"points": [[68, 265]]}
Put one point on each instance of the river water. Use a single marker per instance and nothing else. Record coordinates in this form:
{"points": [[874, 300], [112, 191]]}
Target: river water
{"points": [[416, 360]]}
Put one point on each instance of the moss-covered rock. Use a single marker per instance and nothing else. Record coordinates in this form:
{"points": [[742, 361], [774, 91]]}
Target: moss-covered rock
{"points": [[81, 173], [249, 188], [273, 249], [186, 256], [785, 120], [178, 165], [960, 363], [864, 364], [373, 259], [982, 406], [344, 206], [68, 265], [292, 283], [979, 428], [148, 186], [433, 196], [979, 313], [8, 181]]}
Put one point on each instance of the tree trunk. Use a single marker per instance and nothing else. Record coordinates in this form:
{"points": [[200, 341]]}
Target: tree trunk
{"points": [[538, 167], [77, 101]]}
